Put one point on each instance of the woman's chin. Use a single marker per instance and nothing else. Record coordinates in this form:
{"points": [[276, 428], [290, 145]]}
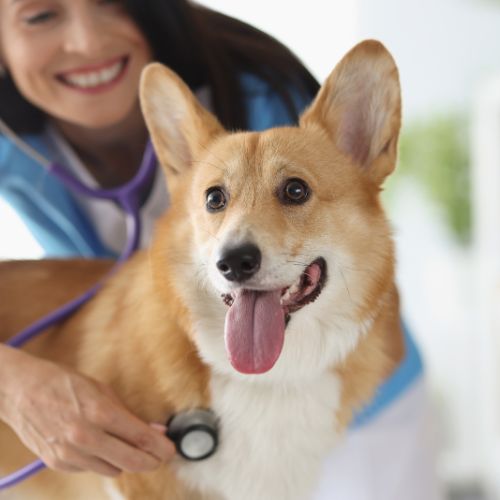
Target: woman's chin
{"points": [[103, 118]]}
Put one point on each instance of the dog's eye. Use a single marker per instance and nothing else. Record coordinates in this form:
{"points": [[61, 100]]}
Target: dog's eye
{"points": [[215, 199], [294, 191]]}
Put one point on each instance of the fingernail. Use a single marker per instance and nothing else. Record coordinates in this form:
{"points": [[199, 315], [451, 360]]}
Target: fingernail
{"points": [[158, 427], [170, 447]]}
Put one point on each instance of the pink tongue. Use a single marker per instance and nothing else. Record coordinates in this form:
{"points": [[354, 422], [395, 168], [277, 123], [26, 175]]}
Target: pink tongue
{"points": [[255, 331]]}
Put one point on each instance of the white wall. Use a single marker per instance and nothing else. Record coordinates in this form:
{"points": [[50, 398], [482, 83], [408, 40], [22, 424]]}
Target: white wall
{"points": [[320, 32], [486, 198], [444, 48]]}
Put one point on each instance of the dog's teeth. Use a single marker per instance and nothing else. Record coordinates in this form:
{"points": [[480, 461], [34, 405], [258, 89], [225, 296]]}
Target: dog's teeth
{"points": [[290, 291]]}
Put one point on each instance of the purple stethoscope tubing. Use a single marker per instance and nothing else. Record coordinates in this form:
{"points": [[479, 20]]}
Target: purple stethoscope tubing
{"points": [[128, 197]]}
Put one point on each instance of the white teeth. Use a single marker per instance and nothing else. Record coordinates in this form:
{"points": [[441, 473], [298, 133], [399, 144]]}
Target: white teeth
{"points": [[95, 78], [290, 291]]}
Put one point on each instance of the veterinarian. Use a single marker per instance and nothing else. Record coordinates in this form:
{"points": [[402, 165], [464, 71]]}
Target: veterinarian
{"points": [[68, 86]]}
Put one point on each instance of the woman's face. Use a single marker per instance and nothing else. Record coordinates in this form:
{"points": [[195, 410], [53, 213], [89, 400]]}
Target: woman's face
{"points": [[78, 60]]}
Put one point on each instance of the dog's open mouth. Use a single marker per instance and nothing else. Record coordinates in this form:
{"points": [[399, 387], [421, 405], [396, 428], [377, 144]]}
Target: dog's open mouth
{"points": [[256, 320]]}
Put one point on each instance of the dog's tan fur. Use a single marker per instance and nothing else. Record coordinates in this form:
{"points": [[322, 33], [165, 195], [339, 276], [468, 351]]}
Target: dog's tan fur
{"points": [[139, 333]]}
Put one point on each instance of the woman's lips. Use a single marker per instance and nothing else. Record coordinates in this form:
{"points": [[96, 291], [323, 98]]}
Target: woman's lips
{"points": [[97, 78]]}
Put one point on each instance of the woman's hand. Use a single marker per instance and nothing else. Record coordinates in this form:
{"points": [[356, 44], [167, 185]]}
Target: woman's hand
{"points": [[74, 423]]}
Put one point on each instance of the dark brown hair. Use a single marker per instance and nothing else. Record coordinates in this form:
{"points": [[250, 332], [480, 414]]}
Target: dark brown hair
{"points": [[205, 48]]}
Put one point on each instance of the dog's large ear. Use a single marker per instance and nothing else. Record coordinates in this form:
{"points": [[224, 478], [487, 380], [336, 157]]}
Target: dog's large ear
{"points": [[360, 107], [178, 124]]}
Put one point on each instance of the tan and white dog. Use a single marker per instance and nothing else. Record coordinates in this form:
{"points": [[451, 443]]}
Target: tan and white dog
{"points": [[268, 294]]}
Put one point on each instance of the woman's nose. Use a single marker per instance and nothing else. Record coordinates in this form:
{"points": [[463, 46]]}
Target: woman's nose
{"points": [[84, 35]]}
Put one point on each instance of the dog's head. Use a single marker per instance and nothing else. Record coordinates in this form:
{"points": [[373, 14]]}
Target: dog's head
{"points": [[283, 229]]}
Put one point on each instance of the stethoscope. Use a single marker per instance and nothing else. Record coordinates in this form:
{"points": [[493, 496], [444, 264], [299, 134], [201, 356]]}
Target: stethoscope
{"points": [[194, 432]]}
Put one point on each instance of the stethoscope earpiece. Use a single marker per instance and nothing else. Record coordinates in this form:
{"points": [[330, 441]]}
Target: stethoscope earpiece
{"points": [[194, 433]]}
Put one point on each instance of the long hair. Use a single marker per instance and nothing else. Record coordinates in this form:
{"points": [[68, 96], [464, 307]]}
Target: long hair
{"points": [[205, 48]]}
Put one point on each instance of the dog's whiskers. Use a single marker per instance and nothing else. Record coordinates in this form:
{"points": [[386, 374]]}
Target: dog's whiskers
{"points": [[297, 263], [356, 269], [345, 282]]}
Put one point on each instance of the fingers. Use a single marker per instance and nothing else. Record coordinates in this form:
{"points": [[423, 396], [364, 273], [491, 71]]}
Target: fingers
{"points": [[87, 446], [84, 446], [162, 429], [69, 459], [142, 436], [118, 453], [117, 421]]}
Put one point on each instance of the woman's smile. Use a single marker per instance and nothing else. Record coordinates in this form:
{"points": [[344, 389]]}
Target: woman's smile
{"points": [[97, 77]]}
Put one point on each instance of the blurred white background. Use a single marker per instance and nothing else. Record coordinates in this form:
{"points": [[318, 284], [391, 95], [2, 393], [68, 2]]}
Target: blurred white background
{"points": [[449, 252]]}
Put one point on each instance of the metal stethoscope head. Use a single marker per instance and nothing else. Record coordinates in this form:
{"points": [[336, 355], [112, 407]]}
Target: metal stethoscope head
{"points": [[195, 433]]}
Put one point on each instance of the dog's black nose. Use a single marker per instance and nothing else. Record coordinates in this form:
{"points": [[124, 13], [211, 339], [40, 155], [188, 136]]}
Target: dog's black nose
{"points": [[239, 263]]}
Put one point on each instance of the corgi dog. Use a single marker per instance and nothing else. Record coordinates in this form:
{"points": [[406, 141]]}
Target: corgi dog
{"points": [[267, 295]]}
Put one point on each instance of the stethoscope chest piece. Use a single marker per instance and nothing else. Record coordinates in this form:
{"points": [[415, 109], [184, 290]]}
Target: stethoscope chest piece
{"points": [[194, 433]]}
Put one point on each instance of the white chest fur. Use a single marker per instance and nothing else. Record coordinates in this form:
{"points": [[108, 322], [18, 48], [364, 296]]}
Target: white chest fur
{"points": [[273, 439]]}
